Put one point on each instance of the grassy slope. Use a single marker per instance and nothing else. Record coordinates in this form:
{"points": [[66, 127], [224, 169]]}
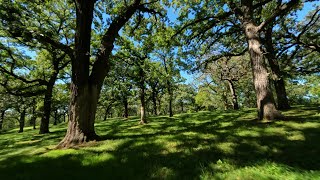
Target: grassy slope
{"points": [[205, 145]]}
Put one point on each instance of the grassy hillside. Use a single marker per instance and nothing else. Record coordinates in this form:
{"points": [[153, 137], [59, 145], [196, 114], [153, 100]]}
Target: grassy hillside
{"points": [[204, 145]]}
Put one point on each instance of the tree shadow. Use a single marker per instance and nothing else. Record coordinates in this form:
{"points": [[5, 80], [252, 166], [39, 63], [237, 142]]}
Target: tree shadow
{"points": [[177, 148]]}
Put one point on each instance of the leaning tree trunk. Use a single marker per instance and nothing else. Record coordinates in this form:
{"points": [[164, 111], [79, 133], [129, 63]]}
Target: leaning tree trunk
{"points": [[265, 102], [235, 103], [2, 118], [282, 99], [22, 120]]}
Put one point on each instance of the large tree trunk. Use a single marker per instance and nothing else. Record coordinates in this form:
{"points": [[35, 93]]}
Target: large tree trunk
{"points": [[235, 104], [81, 115], [85, 87], [22, 120], [2, 118], [84, 93], [44, 126], [282, 100], [265, 102]]}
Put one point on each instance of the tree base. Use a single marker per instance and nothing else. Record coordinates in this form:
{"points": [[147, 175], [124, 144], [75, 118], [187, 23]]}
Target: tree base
{"points": [[270, 113], [44, 132], [75, 139], [143, 122]]}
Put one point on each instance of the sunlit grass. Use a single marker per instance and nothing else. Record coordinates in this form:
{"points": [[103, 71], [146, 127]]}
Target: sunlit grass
{"points": [[203, 145]]}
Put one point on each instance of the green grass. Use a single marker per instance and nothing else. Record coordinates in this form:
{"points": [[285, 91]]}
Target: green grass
{"points": [[204, 145]]}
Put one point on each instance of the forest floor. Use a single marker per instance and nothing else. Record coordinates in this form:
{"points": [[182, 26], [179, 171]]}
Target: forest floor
{"points": [[203, 145]]}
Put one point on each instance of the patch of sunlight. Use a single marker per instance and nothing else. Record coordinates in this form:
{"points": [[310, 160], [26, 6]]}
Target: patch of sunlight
{"points": [[226, 124], [95, 159], [258, 147], [295, 136], [190, 134], [266, 171], [30, 142], [162, 173], [301, 126], [60, 152], [107, 145], [25, 151], [248, 133], [226, 147], [273, 131]]}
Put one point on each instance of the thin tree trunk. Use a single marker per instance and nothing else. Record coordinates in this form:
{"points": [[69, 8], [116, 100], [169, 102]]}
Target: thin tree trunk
{"points": [[235, 104], [55, 122], [126, 109], [143, 119], [44, 126], [170, 99], [181, 104], [154, 101], [159, 106], [22, 120], [282, 100], [265, 101], [2, 118]]}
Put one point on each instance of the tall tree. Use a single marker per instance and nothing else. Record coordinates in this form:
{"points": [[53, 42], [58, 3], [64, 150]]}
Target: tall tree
{"points": [[242, 21], [86, 86]]}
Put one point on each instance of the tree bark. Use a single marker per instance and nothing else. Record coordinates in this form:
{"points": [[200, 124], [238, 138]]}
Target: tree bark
{"points": [[84, 94], [265, 102], [22, 120], [282, 100], [170, 100], [126, 109], [143, 119], [44, 126], [2, 118], [86, 87], [154, 101], [235, 104]]}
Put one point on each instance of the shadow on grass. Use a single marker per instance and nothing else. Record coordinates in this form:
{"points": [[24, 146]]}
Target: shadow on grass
{"points": [[174, 148]]}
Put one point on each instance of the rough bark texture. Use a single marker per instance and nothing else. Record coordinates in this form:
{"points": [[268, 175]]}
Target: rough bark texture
{"points": [[2, 118], [86, 87], [265, 102], [282, 99], [235, 103], [84, 95], [22, 120]]}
